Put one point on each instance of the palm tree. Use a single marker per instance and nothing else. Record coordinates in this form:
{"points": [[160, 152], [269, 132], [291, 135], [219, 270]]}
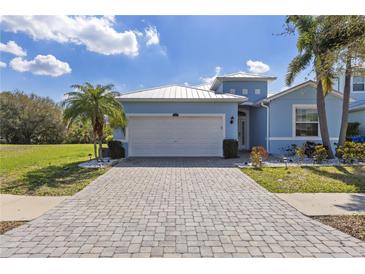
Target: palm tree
{"points": [[313, 50], [348, 36], [94, 103]]}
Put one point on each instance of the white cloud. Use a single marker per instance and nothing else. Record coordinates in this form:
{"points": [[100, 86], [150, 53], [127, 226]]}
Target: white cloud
{"points": [[257, 66], [95, 33], [41, 65], [186, 84], [2, 65], [152, 36], [13, 48], [209, 80]]}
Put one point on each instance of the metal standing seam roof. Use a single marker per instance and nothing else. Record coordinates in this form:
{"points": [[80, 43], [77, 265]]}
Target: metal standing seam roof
{"points": [[242, 74], [179, 93]]}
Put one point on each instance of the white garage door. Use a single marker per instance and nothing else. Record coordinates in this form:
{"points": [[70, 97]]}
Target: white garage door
{"points": [[175, 136]]}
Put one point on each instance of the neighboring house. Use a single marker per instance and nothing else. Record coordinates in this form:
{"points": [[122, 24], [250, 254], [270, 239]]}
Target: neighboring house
{"points": [[357, 108], [357, 114], [193, 121], [357, 86]]}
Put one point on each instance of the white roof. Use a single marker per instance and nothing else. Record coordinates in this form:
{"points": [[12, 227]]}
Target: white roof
{"points": [[301, 85], [241, 75], [179, 93], [357, 105], [203, 86]]}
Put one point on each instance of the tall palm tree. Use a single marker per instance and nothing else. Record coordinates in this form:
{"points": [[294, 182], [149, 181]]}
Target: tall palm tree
{"points": [[348, 36], [313, 50], [94, 103]]}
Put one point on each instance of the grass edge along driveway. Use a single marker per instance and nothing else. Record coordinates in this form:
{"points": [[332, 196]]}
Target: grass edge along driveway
{"points": [[45, 170], [312, 179]]}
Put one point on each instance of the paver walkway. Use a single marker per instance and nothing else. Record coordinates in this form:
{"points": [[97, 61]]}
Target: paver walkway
{"points": [[176, 208], [24, 208], [317, 204]]}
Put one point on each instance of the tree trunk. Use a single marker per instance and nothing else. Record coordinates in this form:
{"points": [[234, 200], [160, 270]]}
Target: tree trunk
{"points": [[346, 102], [95, 148], [321, 108], [100, 148]]}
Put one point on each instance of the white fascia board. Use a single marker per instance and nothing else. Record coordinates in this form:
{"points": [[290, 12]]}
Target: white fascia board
{"points": [[202, 100]]}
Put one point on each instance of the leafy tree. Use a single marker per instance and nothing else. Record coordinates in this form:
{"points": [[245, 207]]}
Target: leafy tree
{"points": [[79, 132], [94, 104], [30, 119]]}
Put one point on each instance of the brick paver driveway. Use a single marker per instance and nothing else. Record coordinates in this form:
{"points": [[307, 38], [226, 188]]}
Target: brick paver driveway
{"points": [[176, 208]]}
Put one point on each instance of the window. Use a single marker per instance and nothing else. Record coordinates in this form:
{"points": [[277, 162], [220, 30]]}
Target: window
{"points": [[358, 83], [244, 91], [306, 121], [257, 91], [232, 91]]}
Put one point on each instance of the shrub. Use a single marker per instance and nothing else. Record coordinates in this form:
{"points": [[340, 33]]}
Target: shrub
{"points": [[290, 150], [309, 148], [352, 129], [109, 138], [257, 155], [300, 153], [116, 149], [351, 151], [320, 153], [230, 148]]}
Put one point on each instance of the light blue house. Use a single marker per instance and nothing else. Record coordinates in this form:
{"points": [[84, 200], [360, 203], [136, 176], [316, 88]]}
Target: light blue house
{"points": [[357, 114], [193, 121]]}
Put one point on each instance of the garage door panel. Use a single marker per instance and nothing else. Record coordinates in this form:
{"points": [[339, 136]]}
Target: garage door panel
{"points": [[175, 136]]}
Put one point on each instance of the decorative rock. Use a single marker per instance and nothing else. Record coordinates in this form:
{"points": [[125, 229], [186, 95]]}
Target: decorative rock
{"points": [[99, 164]]}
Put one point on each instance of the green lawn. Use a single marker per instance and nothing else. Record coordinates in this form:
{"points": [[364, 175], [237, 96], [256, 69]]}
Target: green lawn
{"points": [[309, 179], [45, 169]]}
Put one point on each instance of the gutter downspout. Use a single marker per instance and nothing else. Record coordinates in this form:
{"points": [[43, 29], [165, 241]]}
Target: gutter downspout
{"points": [[267, 125]]}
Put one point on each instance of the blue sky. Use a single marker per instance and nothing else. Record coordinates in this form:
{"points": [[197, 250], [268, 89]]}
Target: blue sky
{"points": [[135, 52]]}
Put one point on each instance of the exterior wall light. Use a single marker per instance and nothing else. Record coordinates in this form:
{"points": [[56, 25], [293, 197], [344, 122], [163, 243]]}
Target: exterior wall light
{"points": [[232, 119]]}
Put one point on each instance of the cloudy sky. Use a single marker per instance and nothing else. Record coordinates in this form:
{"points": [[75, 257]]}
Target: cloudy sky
{"points": [[47, 54]]}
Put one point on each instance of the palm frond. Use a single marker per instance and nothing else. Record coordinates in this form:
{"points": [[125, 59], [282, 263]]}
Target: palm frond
{"points": [[299, 63]]}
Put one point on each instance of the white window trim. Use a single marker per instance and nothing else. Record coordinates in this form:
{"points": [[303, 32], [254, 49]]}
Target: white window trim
{"points": [[257, 91], [301, 106], [244, 91], [232, 91], [289, 138], [352, 85]]}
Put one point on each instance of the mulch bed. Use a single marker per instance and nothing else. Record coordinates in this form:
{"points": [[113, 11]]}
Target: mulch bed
{"points": [[353, 224], [9, 225]]}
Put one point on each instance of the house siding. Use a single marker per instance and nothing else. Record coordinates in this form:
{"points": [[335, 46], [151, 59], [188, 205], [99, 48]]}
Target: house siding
{"points": [[358, 116], [229, 109], [281, 117], [250, 86], [339, 84], [258, 119]]}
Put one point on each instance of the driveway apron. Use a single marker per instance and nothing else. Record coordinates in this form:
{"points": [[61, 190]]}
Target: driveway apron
{"points": [[176, 208]]}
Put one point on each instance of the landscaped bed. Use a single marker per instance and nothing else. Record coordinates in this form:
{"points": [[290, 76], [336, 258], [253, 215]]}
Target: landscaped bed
{"points": [[45, 169], [353, 225], [349, 179], [9, 225]]}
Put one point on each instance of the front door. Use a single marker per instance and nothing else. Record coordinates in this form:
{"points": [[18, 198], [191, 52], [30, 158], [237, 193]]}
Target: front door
{"points": [[243, 132]]}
